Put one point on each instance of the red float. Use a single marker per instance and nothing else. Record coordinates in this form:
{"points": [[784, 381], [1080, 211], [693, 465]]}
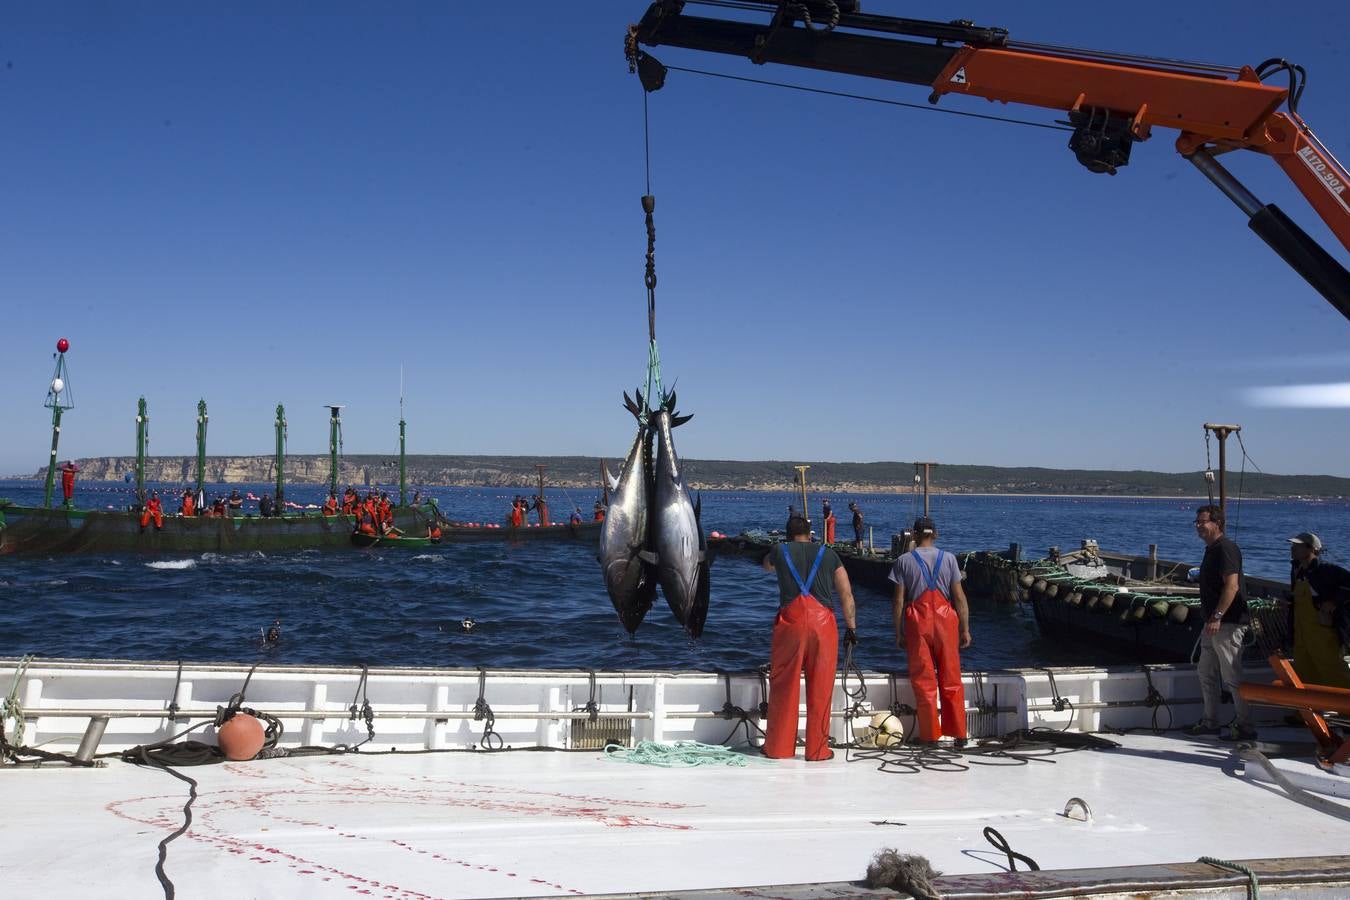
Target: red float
{"points": [[62, 345], [241, 737]]}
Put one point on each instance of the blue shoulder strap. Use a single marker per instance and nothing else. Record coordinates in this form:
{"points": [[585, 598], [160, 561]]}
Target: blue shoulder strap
{"points": [[930, 575], [803, 586]]}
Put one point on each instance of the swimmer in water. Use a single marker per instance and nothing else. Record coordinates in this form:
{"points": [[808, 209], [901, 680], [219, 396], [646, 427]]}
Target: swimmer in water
{"points": [[272, 636]]}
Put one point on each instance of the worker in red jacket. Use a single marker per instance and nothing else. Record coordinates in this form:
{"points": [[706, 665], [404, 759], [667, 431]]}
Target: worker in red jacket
{"points": [[153, 511], [68, 470]]}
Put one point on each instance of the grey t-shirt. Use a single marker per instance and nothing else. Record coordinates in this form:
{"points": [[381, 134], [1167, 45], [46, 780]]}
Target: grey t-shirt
{"points": [[906, 571]]}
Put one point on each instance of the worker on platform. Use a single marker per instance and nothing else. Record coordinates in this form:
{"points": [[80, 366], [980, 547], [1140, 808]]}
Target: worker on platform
{"points": [[68, 470], [1320, 591], [517, 511], [386, 513], [857, 527], [541, 510], [349, 501], [599, 511], [330, 506], [805, 636], [365, 519], [1225, 605], [932, 624], [266, 509], [829, 521], [235, 503], [188, 506], [153, 511]]}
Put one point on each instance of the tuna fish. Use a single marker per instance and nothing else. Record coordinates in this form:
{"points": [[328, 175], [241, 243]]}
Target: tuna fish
{"points": [[624, 537], [677, 533]]}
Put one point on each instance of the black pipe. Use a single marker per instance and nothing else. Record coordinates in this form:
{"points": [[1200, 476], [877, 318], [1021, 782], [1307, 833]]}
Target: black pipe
{"points": [[1308, 258]]}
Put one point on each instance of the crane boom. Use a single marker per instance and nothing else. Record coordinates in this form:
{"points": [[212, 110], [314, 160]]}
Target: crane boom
{"points": [[1112, 100]]}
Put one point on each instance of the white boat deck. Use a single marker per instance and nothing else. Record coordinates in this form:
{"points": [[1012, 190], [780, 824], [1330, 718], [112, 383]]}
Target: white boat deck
{"points": [[527, 823]]}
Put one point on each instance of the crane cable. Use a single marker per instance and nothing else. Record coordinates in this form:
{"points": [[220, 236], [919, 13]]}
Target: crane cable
{"points": [[649, 277], [849, 96]]}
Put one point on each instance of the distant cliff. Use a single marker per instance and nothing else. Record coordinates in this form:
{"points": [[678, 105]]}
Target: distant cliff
{"points": [[583, 472]]}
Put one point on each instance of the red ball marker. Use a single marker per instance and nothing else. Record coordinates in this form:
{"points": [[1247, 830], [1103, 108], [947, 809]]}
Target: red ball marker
{"points": [[62, 345]]}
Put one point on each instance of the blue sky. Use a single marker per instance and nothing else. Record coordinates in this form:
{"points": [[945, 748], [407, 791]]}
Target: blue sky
{"points": [[256, 207]]}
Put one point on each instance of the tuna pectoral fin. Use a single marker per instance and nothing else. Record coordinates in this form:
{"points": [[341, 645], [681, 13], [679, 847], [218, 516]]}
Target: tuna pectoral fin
{"points": [[677, 421], [648, 557]]}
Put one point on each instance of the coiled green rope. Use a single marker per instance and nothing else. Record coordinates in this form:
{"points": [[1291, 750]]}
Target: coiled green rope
{"points": [[679, 755], [12, 708]]}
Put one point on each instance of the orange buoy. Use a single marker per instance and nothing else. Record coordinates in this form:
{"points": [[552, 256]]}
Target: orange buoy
{"points": [[241, 737]]}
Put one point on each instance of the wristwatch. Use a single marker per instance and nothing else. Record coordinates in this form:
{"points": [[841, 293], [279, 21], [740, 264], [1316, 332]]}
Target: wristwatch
{"points": [[1217, 617]]}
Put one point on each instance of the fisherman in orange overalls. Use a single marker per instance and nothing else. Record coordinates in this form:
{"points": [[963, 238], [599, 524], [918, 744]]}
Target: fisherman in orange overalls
{"points": [[541, 510], [154, 509], [932, 620], [599, 511], [829, 523], [517, 512], [805, 636], [68, 470], [330, 506], [189, 506]]}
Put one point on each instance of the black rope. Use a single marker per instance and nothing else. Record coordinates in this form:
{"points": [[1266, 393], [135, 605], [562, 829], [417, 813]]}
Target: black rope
{"points": [[743, 718], [32, 756], [1155, 701], [844, 94], [856, 709], [592, 707], [482, 712], [173, 697], [763, 672], [1059, 703], [365, 711], [1001, 844], [163, 847]]}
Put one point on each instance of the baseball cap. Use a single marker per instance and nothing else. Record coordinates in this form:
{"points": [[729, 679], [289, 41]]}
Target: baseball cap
{"points": [[924, 525], [1308, 539]]}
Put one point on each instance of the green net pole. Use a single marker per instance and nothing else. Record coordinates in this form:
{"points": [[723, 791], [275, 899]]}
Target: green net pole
{"points": [[202, 419], [142, 436], [51, 465], [402, 463], [281, 460], [334, 429]]}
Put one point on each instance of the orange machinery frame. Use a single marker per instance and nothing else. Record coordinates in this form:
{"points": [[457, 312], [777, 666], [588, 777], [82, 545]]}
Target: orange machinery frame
{"points": [[1112, 99]]}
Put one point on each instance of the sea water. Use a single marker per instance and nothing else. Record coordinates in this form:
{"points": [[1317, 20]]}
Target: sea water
{"points": [[543, 604]]}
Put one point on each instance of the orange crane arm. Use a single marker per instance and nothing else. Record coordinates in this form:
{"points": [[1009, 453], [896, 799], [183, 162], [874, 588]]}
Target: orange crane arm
{"points": [[1112, 100]]}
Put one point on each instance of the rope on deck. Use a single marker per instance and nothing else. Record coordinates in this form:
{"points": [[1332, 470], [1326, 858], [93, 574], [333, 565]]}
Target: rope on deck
{"points": [[679, 755], [1253, 886]]}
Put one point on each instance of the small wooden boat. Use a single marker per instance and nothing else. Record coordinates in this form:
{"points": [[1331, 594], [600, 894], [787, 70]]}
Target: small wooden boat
{"points": [[392, 539]]}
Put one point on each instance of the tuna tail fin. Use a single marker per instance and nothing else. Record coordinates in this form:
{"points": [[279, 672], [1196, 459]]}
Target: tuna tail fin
{"points": [[634, 408]]}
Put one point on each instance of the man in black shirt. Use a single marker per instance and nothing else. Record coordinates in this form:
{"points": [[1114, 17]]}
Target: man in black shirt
{"points": [[1225, 606]]}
